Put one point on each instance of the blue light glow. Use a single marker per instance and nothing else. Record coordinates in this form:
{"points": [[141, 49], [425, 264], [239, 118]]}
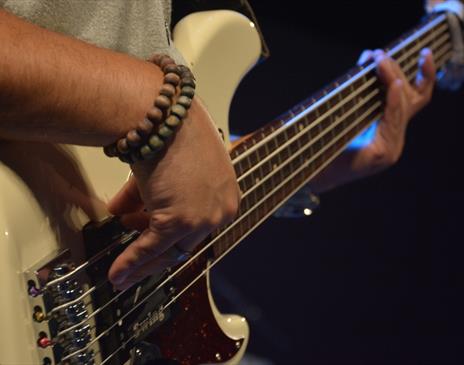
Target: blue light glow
{"points": [[364, 139]]}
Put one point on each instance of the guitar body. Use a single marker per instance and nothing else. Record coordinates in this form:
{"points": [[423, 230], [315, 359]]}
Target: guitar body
{"points": [[48, 195]]}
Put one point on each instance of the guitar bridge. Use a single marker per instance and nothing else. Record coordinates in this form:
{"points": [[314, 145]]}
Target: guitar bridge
{"points": [[77, 316]]}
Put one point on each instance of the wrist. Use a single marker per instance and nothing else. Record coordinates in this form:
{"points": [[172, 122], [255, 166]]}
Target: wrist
{"points": [[152, 133]]}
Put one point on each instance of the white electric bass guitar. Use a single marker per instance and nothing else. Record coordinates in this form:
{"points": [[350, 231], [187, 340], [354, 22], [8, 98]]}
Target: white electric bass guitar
{"points": [[57, 306]]}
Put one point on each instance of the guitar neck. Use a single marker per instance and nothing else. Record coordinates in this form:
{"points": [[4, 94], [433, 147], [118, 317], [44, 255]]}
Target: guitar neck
{"points": [[277, 160]]}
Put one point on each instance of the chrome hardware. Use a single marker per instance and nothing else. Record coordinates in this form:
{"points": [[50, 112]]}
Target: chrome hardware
{"points": [[52, 318], [74, 308]]}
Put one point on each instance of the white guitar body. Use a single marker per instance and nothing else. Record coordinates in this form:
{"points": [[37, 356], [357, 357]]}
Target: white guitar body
{"points": [[48, 195]]}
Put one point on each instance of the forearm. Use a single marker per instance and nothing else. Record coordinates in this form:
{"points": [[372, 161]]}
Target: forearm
{"points": [[56, 88]]}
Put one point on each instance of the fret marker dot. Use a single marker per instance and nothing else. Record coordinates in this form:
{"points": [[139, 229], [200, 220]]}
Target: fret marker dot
{"points": [[307, 212]]}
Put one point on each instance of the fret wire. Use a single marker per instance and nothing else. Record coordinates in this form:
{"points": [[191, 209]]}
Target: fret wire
{"points": [[358, 128], [235, 243], [340, 94], [217, 259], [439, 62], [260, 194], [430, 40], [409, 65], [432, 24], [281, 140], [418, 46], [369, 98], [192, 282], [286, 167]]}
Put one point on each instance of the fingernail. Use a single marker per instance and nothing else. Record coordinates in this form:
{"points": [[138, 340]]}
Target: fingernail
{"points": [[423, 55], [424, 52]]}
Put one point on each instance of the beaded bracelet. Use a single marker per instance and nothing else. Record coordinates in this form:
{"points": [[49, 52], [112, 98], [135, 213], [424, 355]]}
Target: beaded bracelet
{"points": [[153, 132]]}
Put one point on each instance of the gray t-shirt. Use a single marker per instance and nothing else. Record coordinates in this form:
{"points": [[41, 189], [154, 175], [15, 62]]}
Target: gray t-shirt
{"points": [[136, 27]]}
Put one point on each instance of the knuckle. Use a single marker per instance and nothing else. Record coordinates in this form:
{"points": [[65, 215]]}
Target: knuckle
{"points": [[231, 210]]}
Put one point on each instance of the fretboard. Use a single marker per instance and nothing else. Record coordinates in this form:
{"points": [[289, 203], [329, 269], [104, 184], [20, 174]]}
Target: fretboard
{"points": [[277, 160]]}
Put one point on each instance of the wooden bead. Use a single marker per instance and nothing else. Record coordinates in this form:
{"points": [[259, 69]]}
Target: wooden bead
{"points": [[185, 101], [187, 81], [145, 127], [184, 70], [111, 150], [155, 114], [156, 143], [133, 138], [165, 132], [168, 90], [172, 78], [179, 110], [173, 121], [162, 102], [122, 146], [187, 91], [171, 68], [166, 60], [146, 152], [156, 59], [134, 146]]}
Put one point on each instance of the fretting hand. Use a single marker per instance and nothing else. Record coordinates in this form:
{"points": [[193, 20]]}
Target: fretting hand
{"points": [[403, 101]]}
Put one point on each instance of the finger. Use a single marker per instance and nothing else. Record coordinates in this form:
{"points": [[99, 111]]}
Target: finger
{"points": [[149, 245], [366, 56], [127, 200], [385, 70], [157, 266], [425, 79], [393, 101], [393, 125], [171, 257]]}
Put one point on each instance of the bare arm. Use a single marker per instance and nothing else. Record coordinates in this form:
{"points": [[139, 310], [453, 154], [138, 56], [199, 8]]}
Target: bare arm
{"points": [[56, 88]]}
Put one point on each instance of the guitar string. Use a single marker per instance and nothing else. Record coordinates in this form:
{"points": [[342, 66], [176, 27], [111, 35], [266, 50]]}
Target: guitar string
{"points": [[252, 188], [169, 303], [173, 300], [354, 109], [146, 298], [437, 24], [316, 122], [101, 308]]}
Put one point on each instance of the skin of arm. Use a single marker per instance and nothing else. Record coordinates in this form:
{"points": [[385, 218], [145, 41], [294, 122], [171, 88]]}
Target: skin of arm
{"points": [[57, 89], [54, 88]]}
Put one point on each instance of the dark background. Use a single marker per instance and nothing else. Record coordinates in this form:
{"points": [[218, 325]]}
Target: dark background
{"points": [[376, 275]]}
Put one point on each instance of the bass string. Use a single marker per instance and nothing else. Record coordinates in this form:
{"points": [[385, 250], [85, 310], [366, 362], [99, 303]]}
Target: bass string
{"points": [[439, 63], [172, 301], [183, 266]]}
